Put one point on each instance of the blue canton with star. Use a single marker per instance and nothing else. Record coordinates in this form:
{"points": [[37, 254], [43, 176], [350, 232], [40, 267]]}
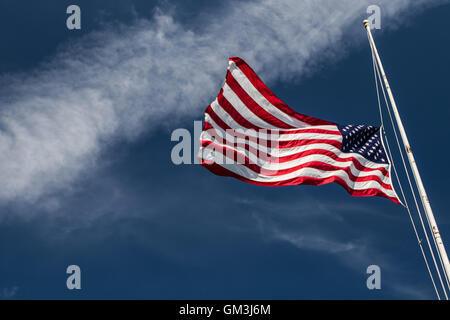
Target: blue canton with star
{"points": [[365, 140]]}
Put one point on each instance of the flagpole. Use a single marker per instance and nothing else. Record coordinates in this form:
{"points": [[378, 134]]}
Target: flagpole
{"points": [[412, 162]]}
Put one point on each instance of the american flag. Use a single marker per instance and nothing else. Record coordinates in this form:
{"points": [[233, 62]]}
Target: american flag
{"points": [[251, 135]]}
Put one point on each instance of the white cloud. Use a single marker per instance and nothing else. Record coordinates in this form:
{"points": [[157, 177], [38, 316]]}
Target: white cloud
{"points": [[56, 120], [315, 242]]}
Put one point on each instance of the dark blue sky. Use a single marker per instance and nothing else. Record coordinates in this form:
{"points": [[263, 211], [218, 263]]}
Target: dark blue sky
{"points": [[142, 227]]}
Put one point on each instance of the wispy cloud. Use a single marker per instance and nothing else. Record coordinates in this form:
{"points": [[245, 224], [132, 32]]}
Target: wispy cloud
{"points": [[412, 292], [8, 293], [56, 120], [315, 242], [311, 226]]}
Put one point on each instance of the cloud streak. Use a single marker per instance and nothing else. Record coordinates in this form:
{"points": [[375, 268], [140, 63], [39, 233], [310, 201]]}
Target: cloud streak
{"points": [[310, 226], [117, 83]]}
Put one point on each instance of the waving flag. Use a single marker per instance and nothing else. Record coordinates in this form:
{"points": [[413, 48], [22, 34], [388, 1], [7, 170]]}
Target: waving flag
{"points": [[251, 135]]}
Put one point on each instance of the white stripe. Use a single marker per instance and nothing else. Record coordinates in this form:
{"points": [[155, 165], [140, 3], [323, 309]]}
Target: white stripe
{"points": [[327, 127], [311, 136]]}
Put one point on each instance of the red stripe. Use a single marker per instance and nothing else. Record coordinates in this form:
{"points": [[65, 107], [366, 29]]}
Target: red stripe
{"points": [[370, 192], [268, 172], [303, 142], [272, 98], [253, 106]]}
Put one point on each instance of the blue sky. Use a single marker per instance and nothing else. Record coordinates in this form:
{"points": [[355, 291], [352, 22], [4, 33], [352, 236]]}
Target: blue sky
{"points": [[85, 124]]}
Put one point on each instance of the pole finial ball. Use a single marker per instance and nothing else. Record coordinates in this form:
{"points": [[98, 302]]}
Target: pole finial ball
{"points": [[366, 23]]}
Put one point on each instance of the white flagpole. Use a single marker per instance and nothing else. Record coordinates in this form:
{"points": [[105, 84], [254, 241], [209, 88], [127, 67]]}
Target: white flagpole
{"points": [[412, 162]]}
